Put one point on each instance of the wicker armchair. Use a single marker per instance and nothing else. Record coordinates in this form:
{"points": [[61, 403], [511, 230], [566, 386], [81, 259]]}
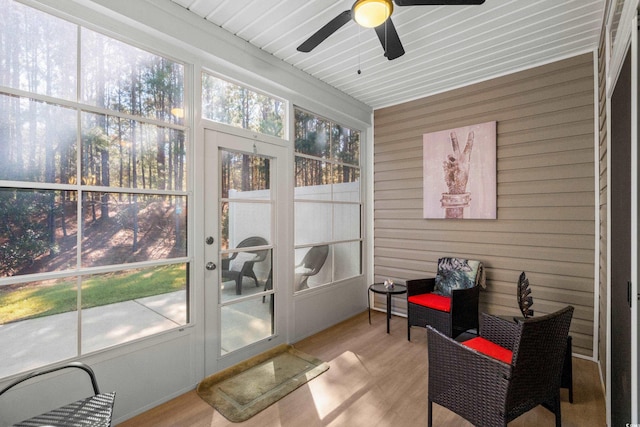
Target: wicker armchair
{"points": [[470, 379], [456, 309]]}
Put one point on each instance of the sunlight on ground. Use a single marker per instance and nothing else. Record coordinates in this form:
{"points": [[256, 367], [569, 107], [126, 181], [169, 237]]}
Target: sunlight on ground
{"points": [[337, 391]]}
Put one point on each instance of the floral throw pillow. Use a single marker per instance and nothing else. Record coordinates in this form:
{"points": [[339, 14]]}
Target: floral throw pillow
{"points": [[455, 273]]}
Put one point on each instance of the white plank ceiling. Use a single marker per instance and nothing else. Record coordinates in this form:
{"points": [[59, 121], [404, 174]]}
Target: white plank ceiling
{"points": [[446, 46]]}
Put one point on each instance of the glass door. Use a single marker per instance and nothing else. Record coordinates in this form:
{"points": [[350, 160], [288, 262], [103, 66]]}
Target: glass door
{"points": [[241, 186], [245, 245]]}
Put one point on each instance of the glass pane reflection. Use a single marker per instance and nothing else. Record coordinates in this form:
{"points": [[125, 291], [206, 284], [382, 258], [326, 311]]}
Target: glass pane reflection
{"points": [[31, 337], [241, 220], [244, 173], [38, 232], [127, 305], [245, 273], [121, 228], [245, 323]]}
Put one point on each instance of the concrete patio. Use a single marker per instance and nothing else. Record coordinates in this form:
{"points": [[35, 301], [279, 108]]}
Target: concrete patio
{"points": [[32, 343]]}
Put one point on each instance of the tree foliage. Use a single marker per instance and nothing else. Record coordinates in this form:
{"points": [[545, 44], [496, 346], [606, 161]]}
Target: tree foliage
{"points": [[332, 151], [24, 235], [238, 106]]}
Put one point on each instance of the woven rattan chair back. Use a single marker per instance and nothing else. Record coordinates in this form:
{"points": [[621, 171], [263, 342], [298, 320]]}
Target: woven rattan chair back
{"points": [[538, 357]]}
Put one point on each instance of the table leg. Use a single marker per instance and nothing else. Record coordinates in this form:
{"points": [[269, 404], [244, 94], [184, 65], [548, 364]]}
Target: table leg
{"points": [[388, 310], [567, 370], [369, 304]]}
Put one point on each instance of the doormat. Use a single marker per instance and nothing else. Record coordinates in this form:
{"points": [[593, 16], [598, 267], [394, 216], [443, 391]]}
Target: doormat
{"points": [[243, 390]]}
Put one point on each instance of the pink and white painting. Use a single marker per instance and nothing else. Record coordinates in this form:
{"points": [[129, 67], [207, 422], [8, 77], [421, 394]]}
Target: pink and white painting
{"points": [[459, 172]]}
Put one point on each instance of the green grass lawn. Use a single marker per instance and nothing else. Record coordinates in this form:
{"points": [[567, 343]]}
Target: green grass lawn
{"points": [[37, 301]]}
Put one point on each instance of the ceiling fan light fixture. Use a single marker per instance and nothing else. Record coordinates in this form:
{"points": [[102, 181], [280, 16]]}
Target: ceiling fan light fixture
{"points": [[372, 13]]}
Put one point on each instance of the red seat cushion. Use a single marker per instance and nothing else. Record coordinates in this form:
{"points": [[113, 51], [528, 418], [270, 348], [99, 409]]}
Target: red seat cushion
{"points": [[437, 302], [489, 348]]}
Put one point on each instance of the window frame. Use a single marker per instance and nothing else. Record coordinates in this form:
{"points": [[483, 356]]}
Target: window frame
{"points": [[332, 202], [78, 271]]}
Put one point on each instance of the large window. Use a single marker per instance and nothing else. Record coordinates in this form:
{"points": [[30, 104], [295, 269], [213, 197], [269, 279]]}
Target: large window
{"points": [[93, 191], [328, 231], [239, 106]]}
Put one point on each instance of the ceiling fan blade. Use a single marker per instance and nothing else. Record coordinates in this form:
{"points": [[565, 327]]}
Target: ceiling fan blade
{"points": [[334, 25], [437, 2], [390, 40]]}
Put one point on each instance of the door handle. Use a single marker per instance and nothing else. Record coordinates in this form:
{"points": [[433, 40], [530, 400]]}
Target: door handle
{"points": [[210, 266]]}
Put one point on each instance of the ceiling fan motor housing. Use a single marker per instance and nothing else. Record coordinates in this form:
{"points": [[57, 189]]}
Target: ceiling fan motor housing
{"points": [[371, 13]]}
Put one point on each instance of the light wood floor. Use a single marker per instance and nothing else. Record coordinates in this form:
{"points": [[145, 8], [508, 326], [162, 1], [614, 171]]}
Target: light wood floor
{"points": [[374, 380]]}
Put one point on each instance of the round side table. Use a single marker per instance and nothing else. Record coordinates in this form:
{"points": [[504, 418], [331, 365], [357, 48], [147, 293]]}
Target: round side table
{"points": [[379, 288]]}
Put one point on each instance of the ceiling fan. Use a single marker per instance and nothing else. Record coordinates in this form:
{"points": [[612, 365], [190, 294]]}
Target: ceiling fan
{"points": [[376, 14]]}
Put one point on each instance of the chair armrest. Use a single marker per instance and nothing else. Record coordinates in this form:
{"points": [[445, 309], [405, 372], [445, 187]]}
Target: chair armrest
{"points": [[463, 375], [77, 365], [500, 331], [462, 299], [420, 286]]}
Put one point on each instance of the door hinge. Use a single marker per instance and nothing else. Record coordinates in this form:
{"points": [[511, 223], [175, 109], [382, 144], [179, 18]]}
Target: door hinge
{"points": [[629, 293]]}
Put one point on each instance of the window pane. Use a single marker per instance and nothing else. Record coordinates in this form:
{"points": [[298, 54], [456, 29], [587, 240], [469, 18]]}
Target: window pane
{"points": [[235, 105], [37, 51], [312, 177], [349, 192], [247, 272], [322, 138], [347, 188], [118, 152], [345, 145], [38, 233], [38, 324], [313, 267], [66, 152], [121, 77], [346, 221], [241, 220], [37, 141], [347, 260], [313, 135], [343, 174], [327, 172], [127, 305], [123, 228], [245, 323], [312, 223], [244, 173]]}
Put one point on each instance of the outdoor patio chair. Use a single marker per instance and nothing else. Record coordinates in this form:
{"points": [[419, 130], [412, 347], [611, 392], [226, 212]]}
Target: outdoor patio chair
{"points": [[509, 369], [449, 301], [310, 265], [95, 410], [240, 264]]}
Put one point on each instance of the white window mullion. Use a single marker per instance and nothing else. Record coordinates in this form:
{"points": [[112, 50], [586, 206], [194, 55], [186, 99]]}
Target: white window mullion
{"points": [[78, 191]]}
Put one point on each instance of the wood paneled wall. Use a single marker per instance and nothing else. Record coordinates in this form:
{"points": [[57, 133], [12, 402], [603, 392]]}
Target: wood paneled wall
{"points": [[546, 191]]}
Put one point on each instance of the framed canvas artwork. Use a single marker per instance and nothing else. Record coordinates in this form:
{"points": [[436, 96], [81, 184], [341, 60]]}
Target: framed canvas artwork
{"points": [[459, 172]]}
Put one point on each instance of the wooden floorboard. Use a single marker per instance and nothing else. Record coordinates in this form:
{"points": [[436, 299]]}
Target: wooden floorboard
{"points": [[375, 380]]}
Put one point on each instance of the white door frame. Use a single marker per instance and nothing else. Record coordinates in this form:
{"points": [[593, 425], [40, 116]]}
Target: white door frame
{"points": [[213, 140]]}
